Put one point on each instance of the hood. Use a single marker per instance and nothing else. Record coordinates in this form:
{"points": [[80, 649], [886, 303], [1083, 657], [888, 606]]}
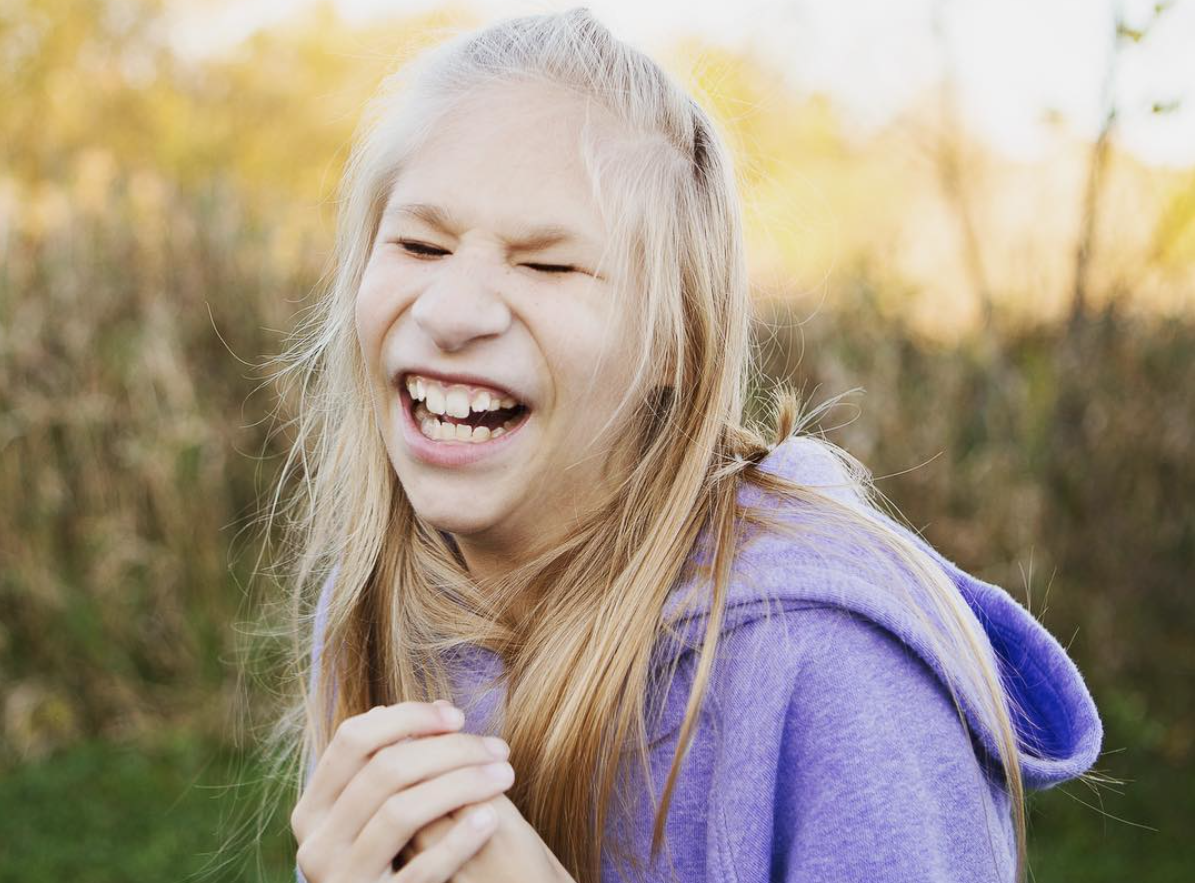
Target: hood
{"points": [[1054, 714]]}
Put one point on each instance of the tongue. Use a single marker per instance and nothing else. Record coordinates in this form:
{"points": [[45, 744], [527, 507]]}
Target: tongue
{"points": [[491, 419]]}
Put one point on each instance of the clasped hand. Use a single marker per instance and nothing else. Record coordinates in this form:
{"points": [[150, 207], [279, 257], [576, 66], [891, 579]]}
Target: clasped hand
{"points": [[395, 797]]}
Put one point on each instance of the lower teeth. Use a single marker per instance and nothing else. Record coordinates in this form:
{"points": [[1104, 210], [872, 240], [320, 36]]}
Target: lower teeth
{"points": [[438, 430]]}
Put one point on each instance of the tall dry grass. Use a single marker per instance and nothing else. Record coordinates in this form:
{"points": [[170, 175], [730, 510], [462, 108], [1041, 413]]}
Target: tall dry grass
{"points": [[132, 450], [1056, 460], [160, 227]]}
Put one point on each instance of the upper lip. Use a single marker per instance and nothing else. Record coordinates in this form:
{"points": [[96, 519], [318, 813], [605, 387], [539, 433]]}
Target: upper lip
{"points": [[401, 374]]}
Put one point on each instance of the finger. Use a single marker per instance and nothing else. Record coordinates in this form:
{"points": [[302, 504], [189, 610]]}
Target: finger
{"points": [[395, 768], [440, 862], [429, 835], [355, 741], [399, 817]]}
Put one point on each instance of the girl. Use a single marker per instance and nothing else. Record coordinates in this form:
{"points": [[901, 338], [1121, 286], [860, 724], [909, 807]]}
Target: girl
{"points": [[528, 494]]}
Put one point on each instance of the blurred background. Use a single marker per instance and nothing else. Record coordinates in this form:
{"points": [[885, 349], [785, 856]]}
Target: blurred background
{"points": [[978, 216]]}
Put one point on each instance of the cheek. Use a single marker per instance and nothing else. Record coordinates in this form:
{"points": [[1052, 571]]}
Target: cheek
{"points": [[584, 331], [595, 366], [377, 305]]}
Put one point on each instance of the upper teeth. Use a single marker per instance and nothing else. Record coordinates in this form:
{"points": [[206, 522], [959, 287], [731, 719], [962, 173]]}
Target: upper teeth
{"points": [[454, 399]]}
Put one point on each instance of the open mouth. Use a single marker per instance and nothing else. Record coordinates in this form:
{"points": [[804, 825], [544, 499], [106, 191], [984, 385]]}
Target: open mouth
{"points": [[463, 414]]}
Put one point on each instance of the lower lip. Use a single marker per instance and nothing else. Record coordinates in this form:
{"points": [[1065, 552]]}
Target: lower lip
{"points": [[448, 453]]}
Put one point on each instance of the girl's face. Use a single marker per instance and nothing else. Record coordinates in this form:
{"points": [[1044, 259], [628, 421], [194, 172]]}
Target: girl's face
{"points": [[493, 340]]}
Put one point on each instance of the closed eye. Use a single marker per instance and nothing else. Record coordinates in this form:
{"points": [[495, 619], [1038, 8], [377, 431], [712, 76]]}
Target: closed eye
{"points": [[423, 250], [552, 268], [420, 249]]}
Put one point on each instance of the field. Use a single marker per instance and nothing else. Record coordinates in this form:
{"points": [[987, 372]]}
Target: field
{"points": [[1036, 421]]}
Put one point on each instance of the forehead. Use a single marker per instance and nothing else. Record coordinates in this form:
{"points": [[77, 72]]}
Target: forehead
{"points": [[510, 156]]}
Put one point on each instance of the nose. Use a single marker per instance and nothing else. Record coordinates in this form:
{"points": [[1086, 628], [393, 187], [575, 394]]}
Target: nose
{"points": [[460, 306]]}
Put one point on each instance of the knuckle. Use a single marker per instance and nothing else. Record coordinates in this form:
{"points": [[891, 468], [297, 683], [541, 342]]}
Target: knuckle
{"points": [[341, 736], [297, 820], [351, 734], [307, 861]]}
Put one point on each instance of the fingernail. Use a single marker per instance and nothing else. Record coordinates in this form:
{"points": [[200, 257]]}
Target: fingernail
{"points": [[482, 817], [496, 746], [500, 772], [454, 717]]}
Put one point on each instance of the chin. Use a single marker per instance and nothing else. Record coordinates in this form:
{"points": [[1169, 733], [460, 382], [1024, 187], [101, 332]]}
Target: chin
{"points": [[458, 514], [454, 523]]}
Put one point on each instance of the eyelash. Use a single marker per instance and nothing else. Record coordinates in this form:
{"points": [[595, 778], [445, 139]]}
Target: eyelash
{"points": [[413, 248]]}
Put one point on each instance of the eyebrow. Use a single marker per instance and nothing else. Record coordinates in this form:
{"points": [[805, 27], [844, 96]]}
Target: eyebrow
{"points": [[524, 238]]}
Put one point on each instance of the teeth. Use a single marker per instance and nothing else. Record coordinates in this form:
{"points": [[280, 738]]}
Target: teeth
{"points": [[456, 403], [457, 432], [455, 400]]}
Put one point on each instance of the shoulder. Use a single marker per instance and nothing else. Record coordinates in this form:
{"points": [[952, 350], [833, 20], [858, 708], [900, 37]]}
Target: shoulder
{"points": [[868, 771], [839, 702], [817, 464], [844, 708], [875, 764], [859, 693], [826, 662], [810, 671], [827, 672]]}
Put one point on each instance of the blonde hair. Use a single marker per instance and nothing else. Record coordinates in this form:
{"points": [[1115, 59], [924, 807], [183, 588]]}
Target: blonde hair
{"points": [[577, 669]]}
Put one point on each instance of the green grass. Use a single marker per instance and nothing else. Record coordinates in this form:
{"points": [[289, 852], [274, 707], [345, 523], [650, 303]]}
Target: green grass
{"points": [[109, 813], [1141, 834], [104, 812]]}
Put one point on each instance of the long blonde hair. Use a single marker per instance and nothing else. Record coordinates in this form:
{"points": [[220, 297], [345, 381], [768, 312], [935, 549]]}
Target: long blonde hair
{"points": [[577, 668]]}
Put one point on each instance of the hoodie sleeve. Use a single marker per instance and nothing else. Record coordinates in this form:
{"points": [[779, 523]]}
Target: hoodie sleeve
{"points": [[317, 643], [878, 779]]}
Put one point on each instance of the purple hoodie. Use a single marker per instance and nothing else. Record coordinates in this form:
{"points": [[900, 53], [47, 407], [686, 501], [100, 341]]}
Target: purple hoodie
{"points": [[827, 748]]}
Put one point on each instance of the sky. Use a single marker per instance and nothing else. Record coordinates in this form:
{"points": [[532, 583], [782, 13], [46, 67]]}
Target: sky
{"points": [[1015, 62]]}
